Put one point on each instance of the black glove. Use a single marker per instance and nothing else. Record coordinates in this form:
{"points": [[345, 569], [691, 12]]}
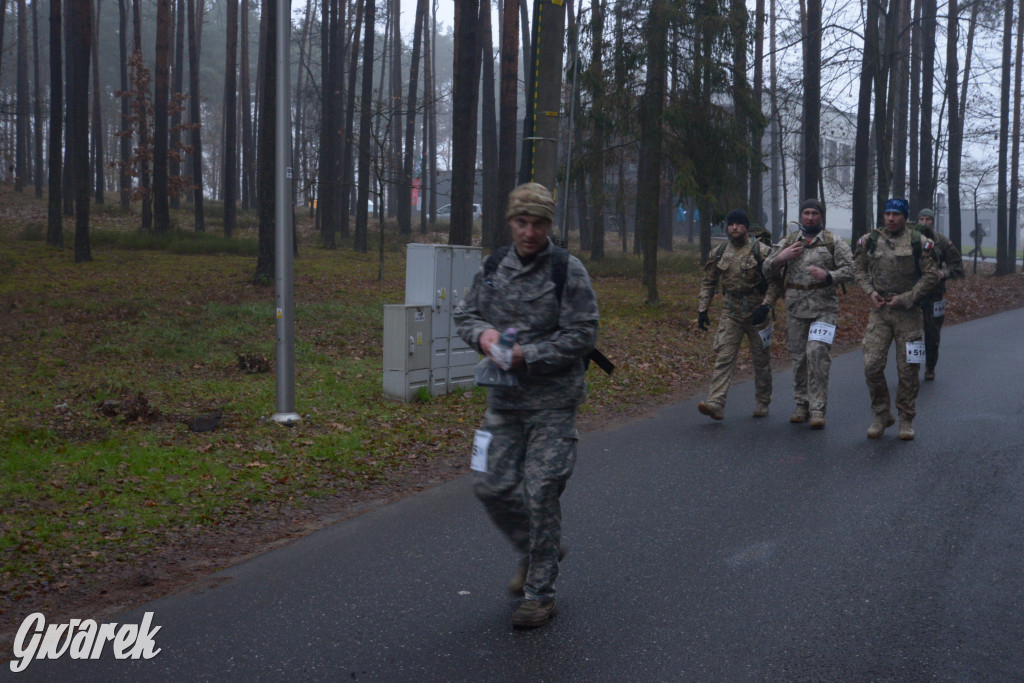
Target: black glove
{"points": [[703, 320], [760, 314]]}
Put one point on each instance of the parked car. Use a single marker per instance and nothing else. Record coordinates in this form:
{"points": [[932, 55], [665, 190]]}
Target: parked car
{"points": [[445, 212]]}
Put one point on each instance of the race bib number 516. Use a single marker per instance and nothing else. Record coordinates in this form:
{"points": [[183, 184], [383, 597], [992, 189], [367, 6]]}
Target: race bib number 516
{"points": [[915, 352], [821, 332]]}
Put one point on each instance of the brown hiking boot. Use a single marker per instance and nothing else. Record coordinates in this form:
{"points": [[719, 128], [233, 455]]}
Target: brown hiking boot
{"points": [[534, 613], [518, 580], [761, 410], [882, 420], [711, 410], [906, 429], [817, 420], [929, 374], [800, 414]]}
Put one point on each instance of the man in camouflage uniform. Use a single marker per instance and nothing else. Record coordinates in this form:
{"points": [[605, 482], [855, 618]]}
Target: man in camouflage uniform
{"points": [[812, 262], [748, 299], [532, 451], [896, 267], [933, 307]]}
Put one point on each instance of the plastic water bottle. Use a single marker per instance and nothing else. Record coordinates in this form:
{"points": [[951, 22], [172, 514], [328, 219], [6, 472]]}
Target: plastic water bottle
{"points": [[496, 370]]}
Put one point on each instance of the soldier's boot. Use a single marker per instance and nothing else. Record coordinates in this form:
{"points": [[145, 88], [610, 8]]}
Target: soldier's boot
{"points": [[882, 420], [518, 580], [761, 410], [711, 410], [800, 414], [906, 428], [929, 373], [817, 420], [534, 613]]}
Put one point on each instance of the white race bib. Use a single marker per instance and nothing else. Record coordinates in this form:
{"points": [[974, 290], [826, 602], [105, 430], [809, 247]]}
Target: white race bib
{"points": [[915, 352], [821, 332], [766, 335], [481, 444], [939, 309]]}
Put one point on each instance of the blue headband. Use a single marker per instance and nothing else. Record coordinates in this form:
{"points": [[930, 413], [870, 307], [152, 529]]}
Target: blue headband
{"points": [[899, 206]]}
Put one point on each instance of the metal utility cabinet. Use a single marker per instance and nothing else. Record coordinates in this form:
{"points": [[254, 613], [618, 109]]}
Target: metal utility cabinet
{"points": [[437, 277], [406, 350]]}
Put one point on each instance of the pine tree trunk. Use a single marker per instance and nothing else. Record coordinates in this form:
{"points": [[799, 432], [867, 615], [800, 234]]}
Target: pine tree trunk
{"points": [[598, 184], [861, 218], [99, 184], [1003, 266], [955, 123], [177, 90], [80, 29], [925, 190], [245, 88], [508, 113], [649, 172], [230, 160], [267, 125], [37, 105], [194, 117], [811, 176], [124, 178], [405, 196], [360, 236], [54, 213], [465, 101], [161, 212]]}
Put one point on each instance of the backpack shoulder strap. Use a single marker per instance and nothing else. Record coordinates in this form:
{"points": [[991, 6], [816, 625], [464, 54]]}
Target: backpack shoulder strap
{"points": [[559, 269], [492, 261]]}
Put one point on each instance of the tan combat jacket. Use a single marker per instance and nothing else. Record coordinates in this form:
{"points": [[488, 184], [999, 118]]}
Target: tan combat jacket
{"points": [[891, 268], [806, 297], [738, 270]]}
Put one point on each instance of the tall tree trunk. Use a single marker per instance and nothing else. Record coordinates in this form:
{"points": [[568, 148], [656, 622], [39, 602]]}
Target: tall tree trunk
{"points": [[80, 28], [1011, 242], [778, 218], [902, 101], [230, 160], [244, 86], [811, 175], [465, 92], [54, 213], [396, 127], [97, 112], [598, 183], [432, 143], [124, 177], [862, 222], [194, 116], [37, 105], [925, 189], [955, 123], [649, 172], [883, 124], [1003, 266], [757, 128], [915, 102], [267, 130], [22, 128], [140, 80], [508, 112], [360, 242], [740, 91], [347, 173], [161, 212], [405, 195], [178, 89], [328, 181], [491, 223]]}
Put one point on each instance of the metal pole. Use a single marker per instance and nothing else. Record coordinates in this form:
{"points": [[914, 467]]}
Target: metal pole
{"points": [[284, 267]]}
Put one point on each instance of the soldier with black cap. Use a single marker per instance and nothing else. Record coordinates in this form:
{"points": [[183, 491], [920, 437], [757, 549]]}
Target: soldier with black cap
{"points": [[748, 299], [811, 263], [933, 306], [525, 451]]}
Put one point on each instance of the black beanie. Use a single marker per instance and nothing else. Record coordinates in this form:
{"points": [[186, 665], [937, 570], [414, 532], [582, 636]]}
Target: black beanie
{"points": [[738, 216], [813, 204]]}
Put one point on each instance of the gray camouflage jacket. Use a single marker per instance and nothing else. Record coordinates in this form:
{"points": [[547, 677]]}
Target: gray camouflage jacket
{"points": [[556, 338]]}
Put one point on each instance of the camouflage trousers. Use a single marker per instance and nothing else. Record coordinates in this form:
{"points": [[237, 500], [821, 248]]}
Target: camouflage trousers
{"points": [[530, 459], [932, 333], [811, 362], [885, 326], [727, 347]]}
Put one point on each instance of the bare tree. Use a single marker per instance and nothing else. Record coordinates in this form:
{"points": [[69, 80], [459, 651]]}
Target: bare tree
{"points": [[925, 182], [1015, 151], [161, 209], [491, 224], [177, 90], [195, 121], [649, 172], [37, 104], [862, 217], [811, 176], [1003, 263], [141, 106], [97, 112], [598, 128], [267, 130], [360, 236], [230, 160], [404, 196], [464, 106], [124, 183], [508, 112], [80, 30], [54, 212], [21, 126]]}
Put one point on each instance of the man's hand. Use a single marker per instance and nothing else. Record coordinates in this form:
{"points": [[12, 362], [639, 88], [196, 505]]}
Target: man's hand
{"points": [[487, 339], [900, 301], [819, 274], [760, 314], [790, 252], [877, 300], [703, 320]]}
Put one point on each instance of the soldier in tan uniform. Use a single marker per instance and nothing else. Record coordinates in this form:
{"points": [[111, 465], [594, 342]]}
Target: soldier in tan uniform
{"points": [[896, 267], [811, 263], [933, 307], [748, 299]]}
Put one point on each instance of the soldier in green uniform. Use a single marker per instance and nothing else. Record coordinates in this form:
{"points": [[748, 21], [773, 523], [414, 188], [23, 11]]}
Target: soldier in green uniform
{"points": [[933, 306], [530, 429], [896, 267], [812, 262], [748, 299]]}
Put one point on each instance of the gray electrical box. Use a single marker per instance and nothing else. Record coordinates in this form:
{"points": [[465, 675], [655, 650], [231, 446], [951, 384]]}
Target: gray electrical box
{"points": [[406, 350], [439, 276]]}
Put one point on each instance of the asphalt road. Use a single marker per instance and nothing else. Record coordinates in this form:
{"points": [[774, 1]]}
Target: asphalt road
{"points": [[700, 551]]}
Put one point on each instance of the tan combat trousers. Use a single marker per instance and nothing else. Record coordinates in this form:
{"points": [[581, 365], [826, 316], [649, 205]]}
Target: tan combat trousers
{"points": [[728, 339], [885, 326], [811, 362]]}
